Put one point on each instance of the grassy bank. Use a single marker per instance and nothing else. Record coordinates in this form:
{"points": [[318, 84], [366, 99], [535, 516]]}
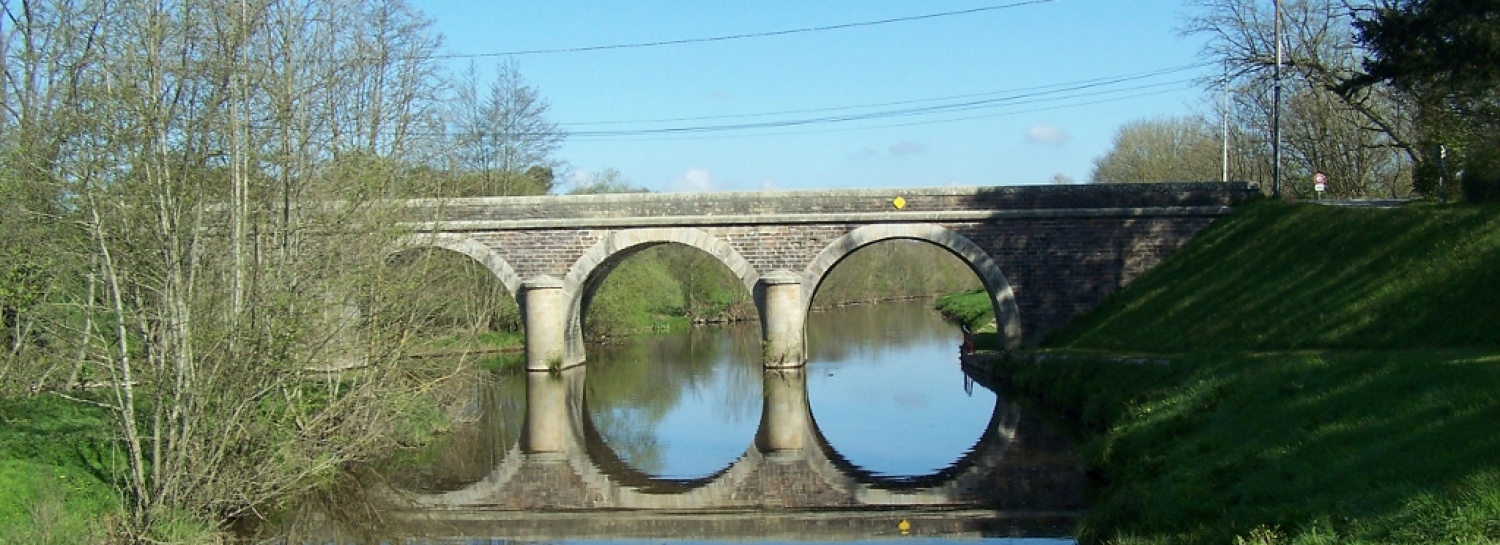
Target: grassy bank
{"points": [[56, 460], [1318, 375], [1392, 446], [971, 308], [1276, 277]]}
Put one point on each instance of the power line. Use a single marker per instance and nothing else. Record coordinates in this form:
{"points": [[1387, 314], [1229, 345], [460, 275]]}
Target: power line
{"points": [[742, 36], [1177, 86], [1053, 87], [1081, 91], [1012, 100]]}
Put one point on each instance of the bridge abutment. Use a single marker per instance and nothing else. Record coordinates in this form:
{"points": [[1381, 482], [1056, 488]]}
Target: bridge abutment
{"points": [[542, 306], [782, 318]]}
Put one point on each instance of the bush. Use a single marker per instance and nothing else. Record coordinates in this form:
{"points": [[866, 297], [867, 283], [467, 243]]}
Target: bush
{"points": [[1481, 177]]}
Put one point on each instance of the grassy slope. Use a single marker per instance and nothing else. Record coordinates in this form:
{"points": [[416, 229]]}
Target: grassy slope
{"points": [[1338, 380], [1277, 277], [54, 459]]}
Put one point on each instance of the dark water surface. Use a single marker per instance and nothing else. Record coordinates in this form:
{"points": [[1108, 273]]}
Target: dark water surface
{"points": [[684, 437]]}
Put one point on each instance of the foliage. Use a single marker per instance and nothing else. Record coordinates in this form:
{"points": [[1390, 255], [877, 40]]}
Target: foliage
{"points": [[206, 218], [1365, 142], [1169, 149], [1276, 277], [501, 138], [608, 180], [972, 308], [1441, 48], [1313, 447], [1440, 55], [457, 297]]}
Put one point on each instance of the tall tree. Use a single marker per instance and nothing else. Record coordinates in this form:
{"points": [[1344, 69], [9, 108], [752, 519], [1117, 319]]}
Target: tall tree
{"points": [[1364, 140], [186, 156], [1169, 149], [1444, 55], [501, 137]]}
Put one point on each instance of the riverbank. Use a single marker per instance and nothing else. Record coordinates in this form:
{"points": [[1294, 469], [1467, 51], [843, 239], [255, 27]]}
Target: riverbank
{"points": [[1296, 374], [56, 462]]}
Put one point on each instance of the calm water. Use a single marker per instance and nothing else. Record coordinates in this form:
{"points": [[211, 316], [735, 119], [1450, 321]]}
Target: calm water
{"points": [[684, 437]]}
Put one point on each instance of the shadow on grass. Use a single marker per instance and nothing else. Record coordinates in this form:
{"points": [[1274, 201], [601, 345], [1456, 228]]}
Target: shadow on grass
{"points": [[1291, 277], [1382, 446]]}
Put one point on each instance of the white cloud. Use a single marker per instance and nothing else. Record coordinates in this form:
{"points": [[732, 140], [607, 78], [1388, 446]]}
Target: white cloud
{"points": [[1047, 134], [695, 179], [908, 147], [767, 184]]}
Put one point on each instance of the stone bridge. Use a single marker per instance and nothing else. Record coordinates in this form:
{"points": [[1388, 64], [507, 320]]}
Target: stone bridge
{"points": [[1044, 253]]}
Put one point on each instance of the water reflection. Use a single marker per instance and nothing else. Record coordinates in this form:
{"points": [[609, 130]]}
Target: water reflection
{"points": [[687, 437]]}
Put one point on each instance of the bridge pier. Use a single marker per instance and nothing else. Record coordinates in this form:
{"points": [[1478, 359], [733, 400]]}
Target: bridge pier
{"points": [[781, 321], [542, 306]]}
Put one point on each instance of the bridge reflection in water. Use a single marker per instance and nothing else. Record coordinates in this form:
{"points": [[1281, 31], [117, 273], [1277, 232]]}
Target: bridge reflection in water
{"points": [[562, 480]]}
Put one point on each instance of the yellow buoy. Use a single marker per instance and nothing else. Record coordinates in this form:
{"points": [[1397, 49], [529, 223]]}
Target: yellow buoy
{"points": [[904, 526]]}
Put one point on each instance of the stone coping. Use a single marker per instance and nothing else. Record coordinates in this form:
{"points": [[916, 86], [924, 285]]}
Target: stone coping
{"points": [[807, 218]]}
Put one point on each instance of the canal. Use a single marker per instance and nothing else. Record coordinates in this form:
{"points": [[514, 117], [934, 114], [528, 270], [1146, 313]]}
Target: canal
{"points": [[683, 437]]}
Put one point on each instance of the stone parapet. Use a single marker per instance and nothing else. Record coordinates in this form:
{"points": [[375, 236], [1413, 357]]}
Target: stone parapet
{"points": [[852, 201]]}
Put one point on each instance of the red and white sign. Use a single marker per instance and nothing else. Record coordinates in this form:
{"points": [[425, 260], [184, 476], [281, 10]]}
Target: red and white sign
{"points": [[1320, 182]]}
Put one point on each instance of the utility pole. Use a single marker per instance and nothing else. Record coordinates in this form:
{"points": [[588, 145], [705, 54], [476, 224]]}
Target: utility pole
{"points": [[1276, 111], [1226, 122]]}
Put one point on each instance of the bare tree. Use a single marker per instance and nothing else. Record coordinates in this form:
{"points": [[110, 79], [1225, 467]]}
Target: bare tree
{"points": [[1364, 139], [501, 136], [212, 171]]}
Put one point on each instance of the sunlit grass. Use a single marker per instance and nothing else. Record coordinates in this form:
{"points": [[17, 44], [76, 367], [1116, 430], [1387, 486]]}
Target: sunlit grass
{"points": [[1276, 277], [1328, 446], [55, 472], [1333, 377]]}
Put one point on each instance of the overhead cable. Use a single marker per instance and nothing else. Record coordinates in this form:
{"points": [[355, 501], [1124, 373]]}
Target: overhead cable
{"points": [[741, 36]]}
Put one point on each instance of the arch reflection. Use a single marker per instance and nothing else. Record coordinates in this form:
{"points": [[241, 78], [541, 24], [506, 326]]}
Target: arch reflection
{"points": [[562, 462]]}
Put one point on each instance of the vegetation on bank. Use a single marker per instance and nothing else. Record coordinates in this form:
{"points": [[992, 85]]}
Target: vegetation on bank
{"points": [[971, 308], [1320, 375], [57, 465], [62, 462]]}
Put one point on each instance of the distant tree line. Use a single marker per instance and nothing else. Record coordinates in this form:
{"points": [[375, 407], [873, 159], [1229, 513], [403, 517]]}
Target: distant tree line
{"points": [[1389, 98]]}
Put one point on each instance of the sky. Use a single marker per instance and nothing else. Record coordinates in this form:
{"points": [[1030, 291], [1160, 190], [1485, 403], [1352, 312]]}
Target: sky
{"points": [[943, 93]]}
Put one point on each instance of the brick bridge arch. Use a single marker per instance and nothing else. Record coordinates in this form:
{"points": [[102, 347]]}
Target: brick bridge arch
{"points": [[1002, 299], [588, 273], [477, 251]]}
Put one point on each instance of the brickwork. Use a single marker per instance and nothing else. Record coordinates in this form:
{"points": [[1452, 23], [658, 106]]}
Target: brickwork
{"points": [[794, 483], [1060, 249]]}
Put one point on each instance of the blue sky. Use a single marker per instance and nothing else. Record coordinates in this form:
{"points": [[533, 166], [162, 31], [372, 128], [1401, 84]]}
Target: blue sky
{"points": [[1036, 49]]}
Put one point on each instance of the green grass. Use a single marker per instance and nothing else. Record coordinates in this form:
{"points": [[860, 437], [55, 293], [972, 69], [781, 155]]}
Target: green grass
{"points": [[1276, 277], [1319, 446], [56, 476], [972, 308], [1332, 376]]}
